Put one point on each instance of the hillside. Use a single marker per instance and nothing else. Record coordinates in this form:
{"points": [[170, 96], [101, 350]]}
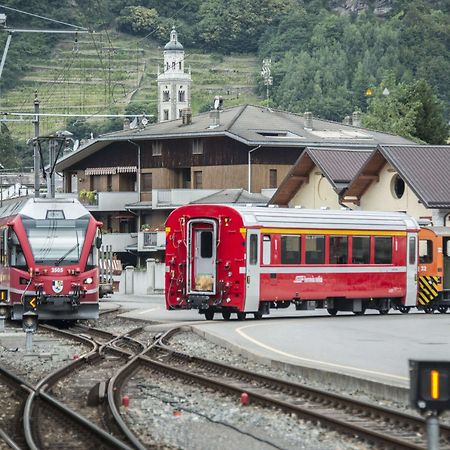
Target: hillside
{"points": [[330, 57], [104, 73]]}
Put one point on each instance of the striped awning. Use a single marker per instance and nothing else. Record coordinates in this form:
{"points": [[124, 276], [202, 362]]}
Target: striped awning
{"points": [[110, 170]]}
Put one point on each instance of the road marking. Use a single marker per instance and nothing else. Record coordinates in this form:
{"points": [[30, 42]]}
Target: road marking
{"points": [[148, 310], [289, 355]]}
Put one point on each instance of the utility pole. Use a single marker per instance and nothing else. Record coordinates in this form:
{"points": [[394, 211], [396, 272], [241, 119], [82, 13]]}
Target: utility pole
{"points": [[35, 147]]}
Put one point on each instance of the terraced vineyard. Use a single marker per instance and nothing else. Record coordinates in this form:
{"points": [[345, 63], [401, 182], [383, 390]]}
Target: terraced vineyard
{"points": [[103, 73]]}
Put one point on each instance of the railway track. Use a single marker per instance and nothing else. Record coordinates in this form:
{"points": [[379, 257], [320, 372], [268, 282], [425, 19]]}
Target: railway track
{"points": [[378, 426]]}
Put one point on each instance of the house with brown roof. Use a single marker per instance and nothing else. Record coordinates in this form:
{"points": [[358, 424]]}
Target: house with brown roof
{"points": [[409, 178], [319, 176], [136, 176]]}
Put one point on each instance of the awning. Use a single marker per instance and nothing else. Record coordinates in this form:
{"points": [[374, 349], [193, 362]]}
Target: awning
{"points": [[110, 170]]}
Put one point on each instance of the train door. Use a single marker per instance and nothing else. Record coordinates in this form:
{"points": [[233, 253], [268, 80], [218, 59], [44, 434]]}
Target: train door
{"points": [[202, 247], [253, 272], [446, 251], [411, 270]]}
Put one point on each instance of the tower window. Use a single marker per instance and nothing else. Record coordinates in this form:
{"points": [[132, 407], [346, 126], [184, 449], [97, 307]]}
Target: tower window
{"points": [[166, 96], [167, 66], [179, 65], [181, 96], [173, 65], [166, 114]]}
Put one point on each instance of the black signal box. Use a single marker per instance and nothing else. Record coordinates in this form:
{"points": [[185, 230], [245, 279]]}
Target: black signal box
{"points": [[430, 385]]}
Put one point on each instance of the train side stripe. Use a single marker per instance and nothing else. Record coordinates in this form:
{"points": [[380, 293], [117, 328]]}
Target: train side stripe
{"points": [[332, 269], [332, 232]]}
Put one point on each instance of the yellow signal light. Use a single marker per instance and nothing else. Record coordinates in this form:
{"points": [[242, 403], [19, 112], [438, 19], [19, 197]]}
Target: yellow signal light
{"points": [[435, 385]]}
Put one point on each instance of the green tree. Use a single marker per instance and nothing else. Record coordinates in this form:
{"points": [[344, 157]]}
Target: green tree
{"points": [[8, 158], [138, 20], [409, 110]]}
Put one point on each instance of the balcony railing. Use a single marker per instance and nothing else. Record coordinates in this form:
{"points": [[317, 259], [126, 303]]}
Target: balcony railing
{"points": [[120, 241]]}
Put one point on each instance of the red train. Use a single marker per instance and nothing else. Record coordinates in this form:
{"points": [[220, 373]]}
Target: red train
{"points": [[249, 259], [48, 259]]}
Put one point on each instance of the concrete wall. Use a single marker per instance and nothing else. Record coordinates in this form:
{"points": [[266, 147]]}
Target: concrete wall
{"points": [[143, 282], [316, 193], [380, 197]]}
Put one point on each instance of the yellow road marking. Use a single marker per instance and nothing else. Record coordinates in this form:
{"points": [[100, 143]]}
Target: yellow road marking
{"points": [[290, 355]]}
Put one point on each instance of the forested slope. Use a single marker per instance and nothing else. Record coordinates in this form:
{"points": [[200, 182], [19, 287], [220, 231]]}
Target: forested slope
{"points": [[328, 56]]}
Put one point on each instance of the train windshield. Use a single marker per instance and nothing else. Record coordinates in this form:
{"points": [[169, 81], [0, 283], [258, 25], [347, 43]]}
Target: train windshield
{"points": [[56, 242]]}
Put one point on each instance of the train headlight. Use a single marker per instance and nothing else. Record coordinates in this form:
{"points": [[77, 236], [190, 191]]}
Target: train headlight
{"points": [[88, 280]]}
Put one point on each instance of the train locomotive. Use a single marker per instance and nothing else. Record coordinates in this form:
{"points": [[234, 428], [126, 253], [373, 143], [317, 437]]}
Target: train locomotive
{"points": [[240, 260], [48, 259]]}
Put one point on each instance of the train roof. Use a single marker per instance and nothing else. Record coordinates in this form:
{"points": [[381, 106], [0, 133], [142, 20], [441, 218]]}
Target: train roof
{"points": [[37, 208], [319, 218]]}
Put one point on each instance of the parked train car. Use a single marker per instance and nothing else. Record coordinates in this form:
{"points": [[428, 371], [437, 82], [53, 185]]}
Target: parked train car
{"points": [[434, 269], [48, 259], [249, 259]]}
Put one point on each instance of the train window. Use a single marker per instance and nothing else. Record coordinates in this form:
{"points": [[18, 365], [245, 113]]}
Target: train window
{"points": [[253, 257], [383, 250], [206, 247], [290, 250], [361, 250], [266, 249], [315, 249], [412, 250], [338, 249], [425, 251]]}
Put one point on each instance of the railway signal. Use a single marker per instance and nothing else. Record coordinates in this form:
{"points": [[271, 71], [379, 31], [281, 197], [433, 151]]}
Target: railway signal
{"points": [[430, 394]]}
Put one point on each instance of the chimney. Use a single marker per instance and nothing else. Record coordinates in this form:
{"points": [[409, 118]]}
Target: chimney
{"points": [[356, 119], [186, 116], [214, 115], [347, 120], [308, 123]]}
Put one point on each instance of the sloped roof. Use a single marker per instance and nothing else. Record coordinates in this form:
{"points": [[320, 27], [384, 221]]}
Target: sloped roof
{"points": [[240, 196], [424, 168], [339, 166], [251, 125]]}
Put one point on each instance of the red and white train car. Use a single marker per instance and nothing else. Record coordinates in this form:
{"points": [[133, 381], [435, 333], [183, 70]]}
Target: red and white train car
{"points": [[249, 259], [48, 259]]}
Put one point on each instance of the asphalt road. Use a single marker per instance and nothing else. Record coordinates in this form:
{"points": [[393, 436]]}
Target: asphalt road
{"points": [[372, 346]]}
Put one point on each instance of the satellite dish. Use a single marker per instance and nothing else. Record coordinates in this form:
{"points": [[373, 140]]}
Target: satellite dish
{"points": [[76, 145]]}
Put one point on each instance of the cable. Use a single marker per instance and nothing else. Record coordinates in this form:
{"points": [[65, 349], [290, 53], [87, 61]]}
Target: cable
{"points": [[42, 17], [226, 424]]}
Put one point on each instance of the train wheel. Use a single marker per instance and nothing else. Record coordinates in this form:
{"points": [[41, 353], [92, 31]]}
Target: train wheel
{"points": [[226, 315], [258, 315], [359, 313], [383, 312], [209, 314], [241, 315], [428, 309], [442, 309], [404, 309], [332, 311]]}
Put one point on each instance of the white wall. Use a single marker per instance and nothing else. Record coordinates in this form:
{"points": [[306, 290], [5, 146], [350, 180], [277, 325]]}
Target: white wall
{"points": [[143, 282]]}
